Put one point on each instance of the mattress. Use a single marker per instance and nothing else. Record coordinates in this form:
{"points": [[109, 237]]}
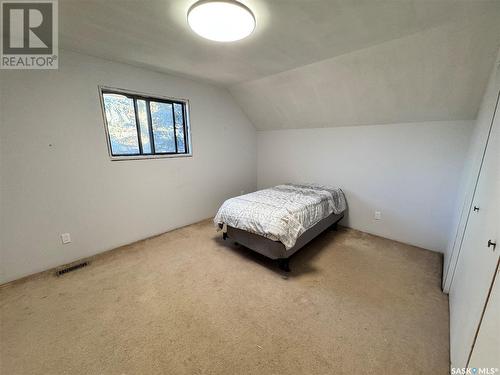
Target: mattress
{"points": [[281, 213]]}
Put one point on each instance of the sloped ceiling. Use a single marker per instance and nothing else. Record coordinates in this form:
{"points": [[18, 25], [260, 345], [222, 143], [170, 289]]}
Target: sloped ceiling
{"points": [[311, 63], [437, 74]]}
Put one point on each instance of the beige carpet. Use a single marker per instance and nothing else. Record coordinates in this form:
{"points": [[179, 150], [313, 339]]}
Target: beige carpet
{"points": [[188, 303]]}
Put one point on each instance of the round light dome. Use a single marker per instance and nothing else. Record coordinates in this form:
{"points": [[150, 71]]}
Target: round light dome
{"points": [[221, 20]]}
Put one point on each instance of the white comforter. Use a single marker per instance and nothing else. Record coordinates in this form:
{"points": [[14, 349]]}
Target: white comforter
{"points": [[281, 213]]}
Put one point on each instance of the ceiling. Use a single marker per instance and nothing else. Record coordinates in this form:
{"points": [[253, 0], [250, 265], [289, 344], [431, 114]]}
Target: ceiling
{"points": [[311, 63]]}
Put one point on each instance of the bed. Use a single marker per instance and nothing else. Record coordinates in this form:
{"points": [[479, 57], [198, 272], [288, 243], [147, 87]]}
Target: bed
{"points": [[279, 221]]}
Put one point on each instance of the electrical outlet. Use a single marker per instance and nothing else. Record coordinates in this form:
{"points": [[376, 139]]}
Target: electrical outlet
{"points": [[66, 238], [378, 215]]}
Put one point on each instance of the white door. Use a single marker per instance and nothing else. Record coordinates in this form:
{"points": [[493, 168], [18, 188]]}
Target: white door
{"points": [[477, 261], [486, 352]]}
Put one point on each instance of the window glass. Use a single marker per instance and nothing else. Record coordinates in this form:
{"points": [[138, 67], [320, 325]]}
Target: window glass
{"points": [[122, 128], [163, 127], [144, 126], [179, 127]]}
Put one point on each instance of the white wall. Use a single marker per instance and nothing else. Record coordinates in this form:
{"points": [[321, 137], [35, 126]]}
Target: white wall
{"points": [[407, 171], [72, 186]]}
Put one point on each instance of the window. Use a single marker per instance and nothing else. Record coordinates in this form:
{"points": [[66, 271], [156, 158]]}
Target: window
{"points": [[141, 126]]}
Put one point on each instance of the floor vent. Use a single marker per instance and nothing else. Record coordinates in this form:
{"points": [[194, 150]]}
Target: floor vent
{"points": [[71, 267]]}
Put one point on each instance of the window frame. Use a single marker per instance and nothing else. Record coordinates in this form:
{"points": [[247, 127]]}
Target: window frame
{"points": [[148, 98]]}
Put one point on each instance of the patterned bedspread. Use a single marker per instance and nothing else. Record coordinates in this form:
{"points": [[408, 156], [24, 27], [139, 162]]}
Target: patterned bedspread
{"points": [[281, 213]]}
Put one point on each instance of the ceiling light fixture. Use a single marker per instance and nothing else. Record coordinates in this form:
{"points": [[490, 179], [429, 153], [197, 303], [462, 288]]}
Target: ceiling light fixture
{"points": [[221, 20]]}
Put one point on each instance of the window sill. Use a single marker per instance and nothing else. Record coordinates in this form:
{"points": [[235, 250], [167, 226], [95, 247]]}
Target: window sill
{"points": [[149, 157]]}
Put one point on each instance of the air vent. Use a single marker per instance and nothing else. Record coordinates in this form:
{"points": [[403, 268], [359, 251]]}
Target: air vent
{"points": [[71, 267]]}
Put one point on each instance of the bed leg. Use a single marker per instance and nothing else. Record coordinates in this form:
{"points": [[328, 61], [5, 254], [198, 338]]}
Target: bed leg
{"points": [[224, 236], [335, 225], [283, 264]]}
